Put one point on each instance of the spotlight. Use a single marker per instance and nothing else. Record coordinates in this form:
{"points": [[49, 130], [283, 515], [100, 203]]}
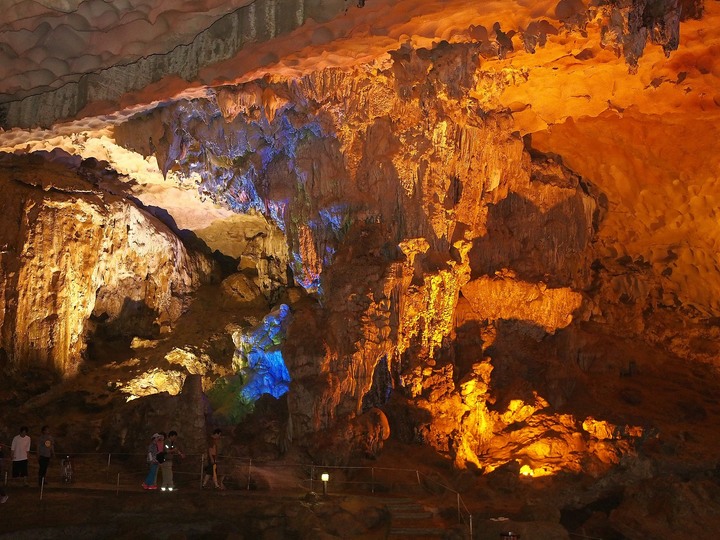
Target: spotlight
{"points": [[325, 477]]}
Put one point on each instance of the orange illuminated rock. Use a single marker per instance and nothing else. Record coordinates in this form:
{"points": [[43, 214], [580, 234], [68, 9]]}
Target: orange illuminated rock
{"points": [[503, 298]]}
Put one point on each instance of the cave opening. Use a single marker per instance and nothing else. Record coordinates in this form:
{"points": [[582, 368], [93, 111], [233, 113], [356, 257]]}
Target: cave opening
{"points": [[135, 318], [109, 338]]}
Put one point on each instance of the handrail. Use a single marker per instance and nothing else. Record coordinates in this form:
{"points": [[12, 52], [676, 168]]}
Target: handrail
{"points": [[462, 508], [460, 502]]}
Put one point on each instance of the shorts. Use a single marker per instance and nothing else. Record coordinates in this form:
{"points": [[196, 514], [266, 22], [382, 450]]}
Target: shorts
{"points": [[19, 468]]}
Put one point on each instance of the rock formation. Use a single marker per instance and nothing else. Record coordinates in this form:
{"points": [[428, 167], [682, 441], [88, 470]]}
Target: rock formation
{"points": [[78, 261]]}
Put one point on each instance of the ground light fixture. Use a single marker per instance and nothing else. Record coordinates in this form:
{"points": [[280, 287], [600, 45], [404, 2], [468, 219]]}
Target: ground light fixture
{"points": [[325, 477]]}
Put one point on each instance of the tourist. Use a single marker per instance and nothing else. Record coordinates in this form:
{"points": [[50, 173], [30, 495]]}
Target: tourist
{"points": [[46, 450], [3, 496], [160, 456], [151, 478], [19, 451], [166, 467], [211, 469]]}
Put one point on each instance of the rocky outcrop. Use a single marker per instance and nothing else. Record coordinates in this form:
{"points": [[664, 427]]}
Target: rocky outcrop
{"points": [[401, 199], [77, 261], [629, 25], [503, 298], [686, 508]]}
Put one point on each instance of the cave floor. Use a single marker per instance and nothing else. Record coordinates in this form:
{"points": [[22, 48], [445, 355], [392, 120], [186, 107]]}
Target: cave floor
{"points": [[101, 511]]}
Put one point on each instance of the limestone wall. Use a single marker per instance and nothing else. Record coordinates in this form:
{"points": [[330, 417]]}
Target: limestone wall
{"points": [[72, 252]]}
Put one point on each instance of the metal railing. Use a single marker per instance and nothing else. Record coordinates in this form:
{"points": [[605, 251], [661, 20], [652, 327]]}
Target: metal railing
{"points": [[123, 471], [390, 481]]}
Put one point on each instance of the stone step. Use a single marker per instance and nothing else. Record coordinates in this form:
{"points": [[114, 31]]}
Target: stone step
{"points": [[413, 532], [404, 507], [412, 515], [394, 500], [410, 519]]}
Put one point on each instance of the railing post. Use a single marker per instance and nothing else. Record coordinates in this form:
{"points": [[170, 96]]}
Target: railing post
{"points": [[417, 473], [471, 531], [372, 476], [249, 472], [202, 469], [117, 485], [312, 473], [458, 504]]}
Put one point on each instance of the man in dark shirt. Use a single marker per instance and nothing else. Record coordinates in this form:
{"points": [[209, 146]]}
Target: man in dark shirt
{"points": [[166, 467]]}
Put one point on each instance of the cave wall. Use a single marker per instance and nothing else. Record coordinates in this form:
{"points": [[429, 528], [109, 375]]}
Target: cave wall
{"points": [[76, 258], [401, 198]]}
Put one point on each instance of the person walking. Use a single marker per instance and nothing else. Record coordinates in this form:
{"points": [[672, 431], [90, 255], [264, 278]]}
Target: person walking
{"points": [[211, 469], [46, 450], [166, 467], [19, 450], [152, 458], [160, 457]]}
